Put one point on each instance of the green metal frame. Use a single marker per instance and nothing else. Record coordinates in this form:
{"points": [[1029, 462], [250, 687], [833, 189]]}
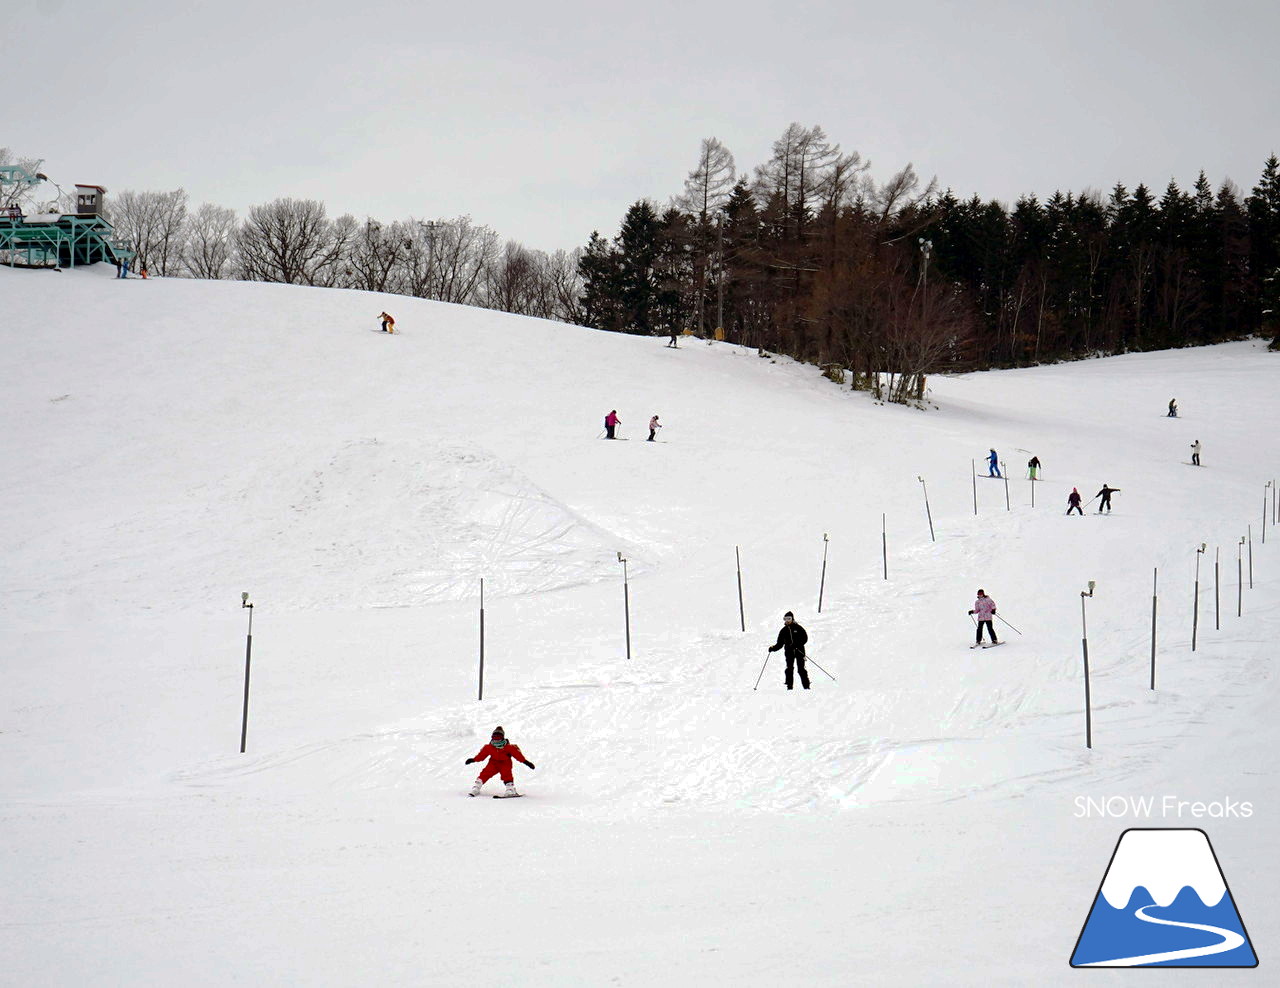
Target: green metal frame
{"points": [[17, 175], [69, 242]]}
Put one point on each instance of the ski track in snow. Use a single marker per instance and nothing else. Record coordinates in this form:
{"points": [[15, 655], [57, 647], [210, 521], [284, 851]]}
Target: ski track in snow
{"points": [[1230, 941]]}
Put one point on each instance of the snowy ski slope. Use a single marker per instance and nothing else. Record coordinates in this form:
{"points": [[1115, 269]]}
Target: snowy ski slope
{"points": [[170, 444]]}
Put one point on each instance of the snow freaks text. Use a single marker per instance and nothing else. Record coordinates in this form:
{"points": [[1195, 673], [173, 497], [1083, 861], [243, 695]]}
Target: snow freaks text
{"points": [[1146, 807]]}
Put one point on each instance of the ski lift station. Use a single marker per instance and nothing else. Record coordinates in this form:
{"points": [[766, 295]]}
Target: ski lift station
{"points": [[49, 238]]}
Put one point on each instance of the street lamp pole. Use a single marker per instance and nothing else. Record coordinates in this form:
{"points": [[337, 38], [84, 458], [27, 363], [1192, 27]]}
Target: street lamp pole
{"points": [[626, 602], [1195, 602], [248, 653], [928, 513], [1084, 645]]}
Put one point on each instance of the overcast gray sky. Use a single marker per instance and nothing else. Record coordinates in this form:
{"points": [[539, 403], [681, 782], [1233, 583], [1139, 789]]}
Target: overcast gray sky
{"points": [[545, 120]]}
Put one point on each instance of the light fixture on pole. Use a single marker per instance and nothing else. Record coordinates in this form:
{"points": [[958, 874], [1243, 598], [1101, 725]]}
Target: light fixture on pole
{"points": [[248, 653], [822, 583], [1155, 577], [1084, 645], [626, 602], [1265, 487], [1240, 576], [928, 513], [1217, 590], [1195, 601], [742, 611]]}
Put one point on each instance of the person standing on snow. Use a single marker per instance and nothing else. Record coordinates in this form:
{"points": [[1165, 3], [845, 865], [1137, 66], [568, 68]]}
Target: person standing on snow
{"points": [[1195, 453], [1073, 502], [388, 323], [1033, 467], [654, 426], [1105, 494], [1173, 408], [672, 342], [993, 465], [792, 639], [985, 608], [500, 753], [611, 422]]}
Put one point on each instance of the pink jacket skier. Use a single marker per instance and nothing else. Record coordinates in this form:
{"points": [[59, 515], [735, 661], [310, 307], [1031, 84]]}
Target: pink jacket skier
{"points": [[985, 608], [611, 422]]}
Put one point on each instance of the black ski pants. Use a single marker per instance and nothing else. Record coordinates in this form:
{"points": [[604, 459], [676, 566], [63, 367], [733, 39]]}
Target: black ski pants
{"points": [[990, 628], [796, 663], [609, 429], [1104, 503], [1074, 507]]}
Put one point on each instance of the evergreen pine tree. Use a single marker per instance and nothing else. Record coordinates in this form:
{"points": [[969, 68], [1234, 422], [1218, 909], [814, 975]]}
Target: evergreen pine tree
{"points": [[601, 284], [1264, 238], [637, 249]]}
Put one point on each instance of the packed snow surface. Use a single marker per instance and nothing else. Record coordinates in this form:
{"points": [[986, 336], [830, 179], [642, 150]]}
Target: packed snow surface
{"points": [[925, 814]]}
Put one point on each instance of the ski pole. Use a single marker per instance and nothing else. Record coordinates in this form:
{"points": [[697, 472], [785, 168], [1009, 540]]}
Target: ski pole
{"points": [[809, 658], [767, 653], [1006, 622]]}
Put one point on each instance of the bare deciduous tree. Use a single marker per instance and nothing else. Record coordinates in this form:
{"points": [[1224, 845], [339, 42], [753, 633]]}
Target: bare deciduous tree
{"points": [[901, 192], [153, 224], [289, 240], [447, 259], [374, 254], [708, 185], [210, 242]]}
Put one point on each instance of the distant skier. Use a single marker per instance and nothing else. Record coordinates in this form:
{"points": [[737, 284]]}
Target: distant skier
{"points": [[654, 426], [792, 639], [1173, 408], [501, 753], [388, 323], [993, 465], [1105, 494], [1073, 502], [672, 342], [1195, 453], [1033, 467], [985, 608], [611, 422]]}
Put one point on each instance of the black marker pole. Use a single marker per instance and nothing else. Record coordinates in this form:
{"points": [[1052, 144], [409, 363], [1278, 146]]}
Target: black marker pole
{"points": [[248, 654]]}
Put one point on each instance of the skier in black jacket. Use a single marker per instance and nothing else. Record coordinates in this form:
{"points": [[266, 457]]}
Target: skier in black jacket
{"points": [[792, 639], [1105, 494]]}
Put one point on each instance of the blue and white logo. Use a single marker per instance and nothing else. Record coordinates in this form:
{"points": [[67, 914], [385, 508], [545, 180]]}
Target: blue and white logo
{"points": [[1164, 902]]}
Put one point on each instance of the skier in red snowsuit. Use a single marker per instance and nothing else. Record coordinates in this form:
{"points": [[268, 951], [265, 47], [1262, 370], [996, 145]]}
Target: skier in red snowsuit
{"points": [[500, 753]]}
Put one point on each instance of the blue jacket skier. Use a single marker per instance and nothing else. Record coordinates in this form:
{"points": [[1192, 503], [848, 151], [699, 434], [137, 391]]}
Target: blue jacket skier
{"points": [[993, 465]]}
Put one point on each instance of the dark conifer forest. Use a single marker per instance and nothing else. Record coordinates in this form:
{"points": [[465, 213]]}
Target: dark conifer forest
{"points": [[879, 283]]}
